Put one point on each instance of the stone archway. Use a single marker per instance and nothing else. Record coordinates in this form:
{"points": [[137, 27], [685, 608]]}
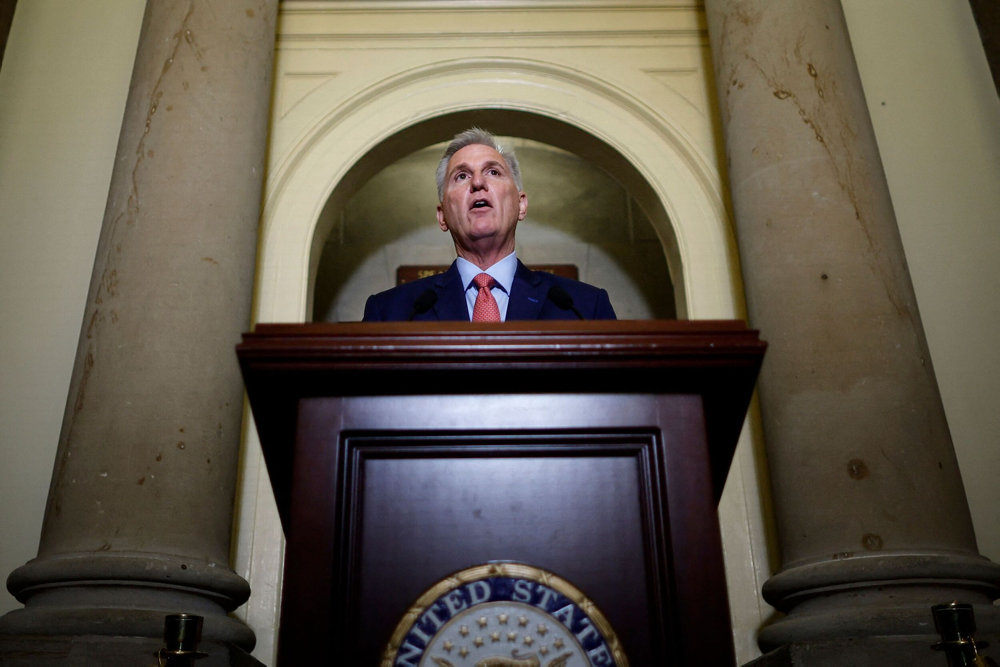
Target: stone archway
{"points": [[653, 160]]}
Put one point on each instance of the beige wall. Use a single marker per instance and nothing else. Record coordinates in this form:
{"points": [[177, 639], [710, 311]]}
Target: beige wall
{"points": [[62, 89], [63, 85], [937, 118]]}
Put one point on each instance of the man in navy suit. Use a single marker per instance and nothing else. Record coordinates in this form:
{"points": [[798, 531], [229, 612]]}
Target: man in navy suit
{"points": [[481, 202]]}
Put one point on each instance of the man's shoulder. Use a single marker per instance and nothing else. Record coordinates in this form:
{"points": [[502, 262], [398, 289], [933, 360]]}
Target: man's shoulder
{"points": [[406, 289], [389, 304], [546, 279], [572, 285], [591, 301], [397, 303]]}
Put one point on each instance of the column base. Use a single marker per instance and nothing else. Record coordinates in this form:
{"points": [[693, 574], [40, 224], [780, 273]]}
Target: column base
{"points": [[886, 597], [105, 651], [125, 595], [871, 652]]}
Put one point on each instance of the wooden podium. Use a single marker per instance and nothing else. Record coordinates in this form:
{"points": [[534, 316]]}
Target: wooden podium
{"points": [[400, 453]]}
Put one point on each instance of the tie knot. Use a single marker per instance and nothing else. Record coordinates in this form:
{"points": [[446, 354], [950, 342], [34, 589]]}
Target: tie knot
{"points": [[484, 280]]}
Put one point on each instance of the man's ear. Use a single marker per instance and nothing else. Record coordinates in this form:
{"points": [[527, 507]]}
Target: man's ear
{"points": [[441, 221], [522, 206]]}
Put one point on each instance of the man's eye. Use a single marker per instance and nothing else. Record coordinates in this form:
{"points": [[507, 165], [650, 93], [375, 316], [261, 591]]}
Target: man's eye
{"points": [[494, 172], [461, 176]]}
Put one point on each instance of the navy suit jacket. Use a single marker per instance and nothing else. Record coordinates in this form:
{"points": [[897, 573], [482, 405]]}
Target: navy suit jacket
{"points": [[528, 299]]}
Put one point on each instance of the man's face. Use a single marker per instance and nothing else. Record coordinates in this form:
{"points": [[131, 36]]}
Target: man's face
{"points": [[481, 203]]}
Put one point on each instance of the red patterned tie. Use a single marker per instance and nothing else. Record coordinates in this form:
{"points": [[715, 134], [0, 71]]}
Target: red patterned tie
{"points": [[486, 309]]}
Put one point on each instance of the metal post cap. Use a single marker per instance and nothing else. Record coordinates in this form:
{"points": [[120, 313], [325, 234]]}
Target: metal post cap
{"points": [[182, 632]]}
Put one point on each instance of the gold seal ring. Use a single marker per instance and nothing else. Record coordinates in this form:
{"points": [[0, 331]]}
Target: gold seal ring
{"points": [[503, 614]]}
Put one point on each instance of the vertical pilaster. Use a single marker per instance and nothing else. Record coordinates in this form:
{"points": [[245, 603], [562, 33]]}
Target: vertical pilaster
{"points": [[140, 507], [871, 514]]}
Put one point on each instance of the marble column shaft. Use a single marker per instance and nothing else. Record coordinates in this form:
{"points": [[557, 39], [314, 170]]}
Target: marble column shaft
{"points": [[140, 507], [871, 514]]}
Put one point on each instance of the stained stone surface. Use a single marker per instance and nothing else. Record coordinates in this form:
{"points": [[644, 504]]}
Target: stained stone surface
{"points": [[140, 509], [871, 514]]}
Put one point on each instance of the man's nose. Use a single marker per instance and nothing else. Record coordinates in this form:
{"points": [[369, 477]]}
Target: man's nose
{"points": [[477, 182]]}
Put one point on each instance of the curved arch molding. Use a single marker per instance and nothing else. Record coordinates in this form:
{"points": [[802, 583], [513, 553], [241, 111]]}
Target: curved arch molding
{"points": [[313, 154]]}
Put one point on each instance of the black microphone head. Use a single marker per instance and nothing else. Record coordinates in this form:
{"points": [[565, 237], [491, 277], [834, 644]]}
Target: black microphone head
{"points": [[563, 300], [560, 297], [424, 302]]}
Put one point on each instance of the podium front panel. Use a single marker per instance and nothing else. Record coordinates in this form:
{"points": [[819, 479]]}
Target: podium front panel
{"points": [[415, 488]]}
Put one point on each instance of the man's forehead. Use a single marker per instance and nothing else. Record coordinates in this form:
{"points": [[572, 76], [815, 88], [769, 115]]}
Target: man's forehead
{"points": [[476, 153]]}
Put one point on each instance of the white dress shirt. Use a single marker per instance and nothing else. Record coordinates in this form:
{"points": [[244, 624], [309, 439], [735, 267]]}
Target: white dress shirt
{"points": [[502, 272]]}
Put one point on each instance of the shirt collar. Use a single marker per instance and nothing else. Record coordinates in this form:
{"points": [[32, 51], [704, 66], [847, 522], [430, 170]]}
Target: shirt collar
{"points": [[502, 272]]}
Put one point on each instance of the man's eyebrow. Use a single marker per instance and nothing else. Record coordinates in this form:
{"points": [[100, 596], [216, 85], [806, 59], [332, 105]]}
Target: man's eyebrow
{"points": [[467, 167]]}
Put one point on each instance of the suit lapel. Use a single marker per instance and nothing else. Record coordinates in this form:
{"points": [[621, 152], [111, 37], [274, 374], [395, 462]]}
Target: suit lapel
{"points": [[526, 297], [451, 304]]}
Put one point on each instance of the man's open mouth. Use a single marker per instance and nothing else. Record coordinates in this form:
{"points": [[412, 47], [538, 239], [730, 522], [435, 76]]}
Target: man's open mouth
{"points": [[480, 203]]}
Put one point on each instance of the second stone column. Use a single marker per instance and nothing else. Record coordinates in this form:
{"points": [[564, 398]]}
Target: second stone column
{"points": [[871, 515]]}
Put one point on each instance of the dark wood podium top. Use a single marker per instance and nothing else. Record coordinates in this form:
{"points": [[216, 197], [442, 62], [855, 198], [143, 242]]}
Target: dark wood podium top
{"points": [[284, 363]]}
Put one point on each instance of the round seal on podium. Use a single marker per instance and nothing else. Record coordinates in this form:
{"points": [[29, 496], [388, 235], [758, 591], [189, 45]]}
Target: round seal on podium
{"points": [[503, 615]]}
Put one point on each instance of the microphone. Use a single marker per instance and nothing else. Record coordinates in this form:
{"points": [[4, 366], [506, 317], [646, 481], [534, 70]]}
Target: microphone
{"points": [[423, 303], [563, 300]]}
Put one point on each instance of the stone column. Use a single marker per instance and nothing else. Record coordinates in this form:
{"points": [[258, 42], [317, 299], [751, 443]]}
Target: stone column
{"points": [[140, 507], [871, 514]]}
